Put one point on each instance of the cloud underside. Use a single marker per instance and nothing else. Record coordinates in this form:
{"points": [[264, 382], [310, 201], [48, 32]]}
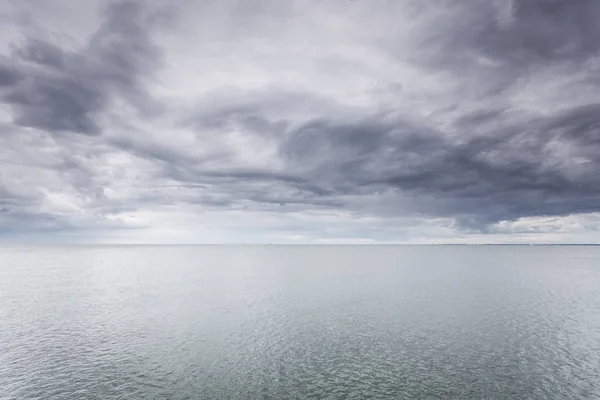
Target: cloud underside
{"points": [[318, 121]]}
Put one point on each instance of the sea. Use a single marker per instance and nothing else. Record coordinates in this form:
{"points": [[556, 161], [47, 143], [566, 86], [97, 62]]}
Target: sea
{"points": [[300, 322]]}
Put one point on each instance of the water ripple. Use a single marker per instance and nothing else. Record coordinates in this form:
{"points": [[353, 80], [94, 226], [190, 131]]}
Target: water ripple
{"points": [[299, 323]]}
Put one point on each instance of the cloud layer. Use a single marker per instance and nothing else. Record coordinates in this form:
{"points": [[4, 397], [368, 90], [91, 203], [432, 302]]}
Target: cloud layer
{"points": [[332, 121]]}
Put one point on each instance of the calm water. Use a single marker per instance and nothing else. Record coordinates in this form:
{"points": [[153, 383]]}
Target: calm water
{"points": [[300, 322]]}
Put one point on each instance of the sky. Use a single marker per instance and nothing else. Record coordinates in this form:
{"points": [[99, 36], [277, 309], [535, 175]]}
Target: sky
{"points": [[300, 121]]}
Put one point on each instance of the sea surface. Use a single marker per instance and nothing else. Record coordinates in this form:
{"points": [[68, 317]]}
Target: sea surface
{"points": [[300, 322]]}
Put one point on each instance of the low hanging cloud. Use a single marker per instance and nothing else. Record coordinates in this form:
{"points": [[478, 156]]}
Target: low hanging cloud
{"points": [[332, 121]]}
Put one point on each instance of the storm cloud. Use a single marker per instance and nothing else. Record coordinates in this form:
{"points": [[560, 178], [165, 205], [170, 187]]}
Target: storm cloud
{"points": [[332, 121]]}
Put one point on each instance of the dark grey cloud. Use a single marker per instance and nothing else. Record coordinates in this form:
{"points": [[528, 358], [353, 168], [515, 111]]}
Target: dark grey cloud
{"points": [[557, 29], [514, 170], [58, 90], [8, 76], [511, 172], [515, 31]]}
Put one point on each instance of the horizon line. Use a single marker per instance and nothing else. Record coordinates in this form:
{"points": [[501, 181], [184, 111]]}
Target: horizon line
{"points": [[291, 244]]}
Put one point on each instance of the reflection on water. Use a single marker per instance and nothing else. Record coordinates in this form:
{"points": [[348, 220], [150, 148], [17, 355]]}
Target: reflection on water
{"points": [[300, 322]]}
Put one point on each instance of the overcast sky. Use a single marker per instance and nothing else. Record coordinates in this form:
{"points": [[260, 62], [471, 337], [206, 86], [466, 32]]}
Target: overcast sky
{"points": [[300, 121]]}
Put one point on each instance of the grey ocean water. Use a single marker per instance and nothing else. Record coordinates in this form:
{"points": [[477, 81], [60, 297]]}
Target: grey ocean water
{"points": [[276, 322]]}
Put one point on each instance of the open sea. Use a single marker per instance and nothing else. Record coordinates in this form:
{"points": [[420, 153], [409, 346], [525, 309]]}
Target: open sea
{"points": [[300, 322]]}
